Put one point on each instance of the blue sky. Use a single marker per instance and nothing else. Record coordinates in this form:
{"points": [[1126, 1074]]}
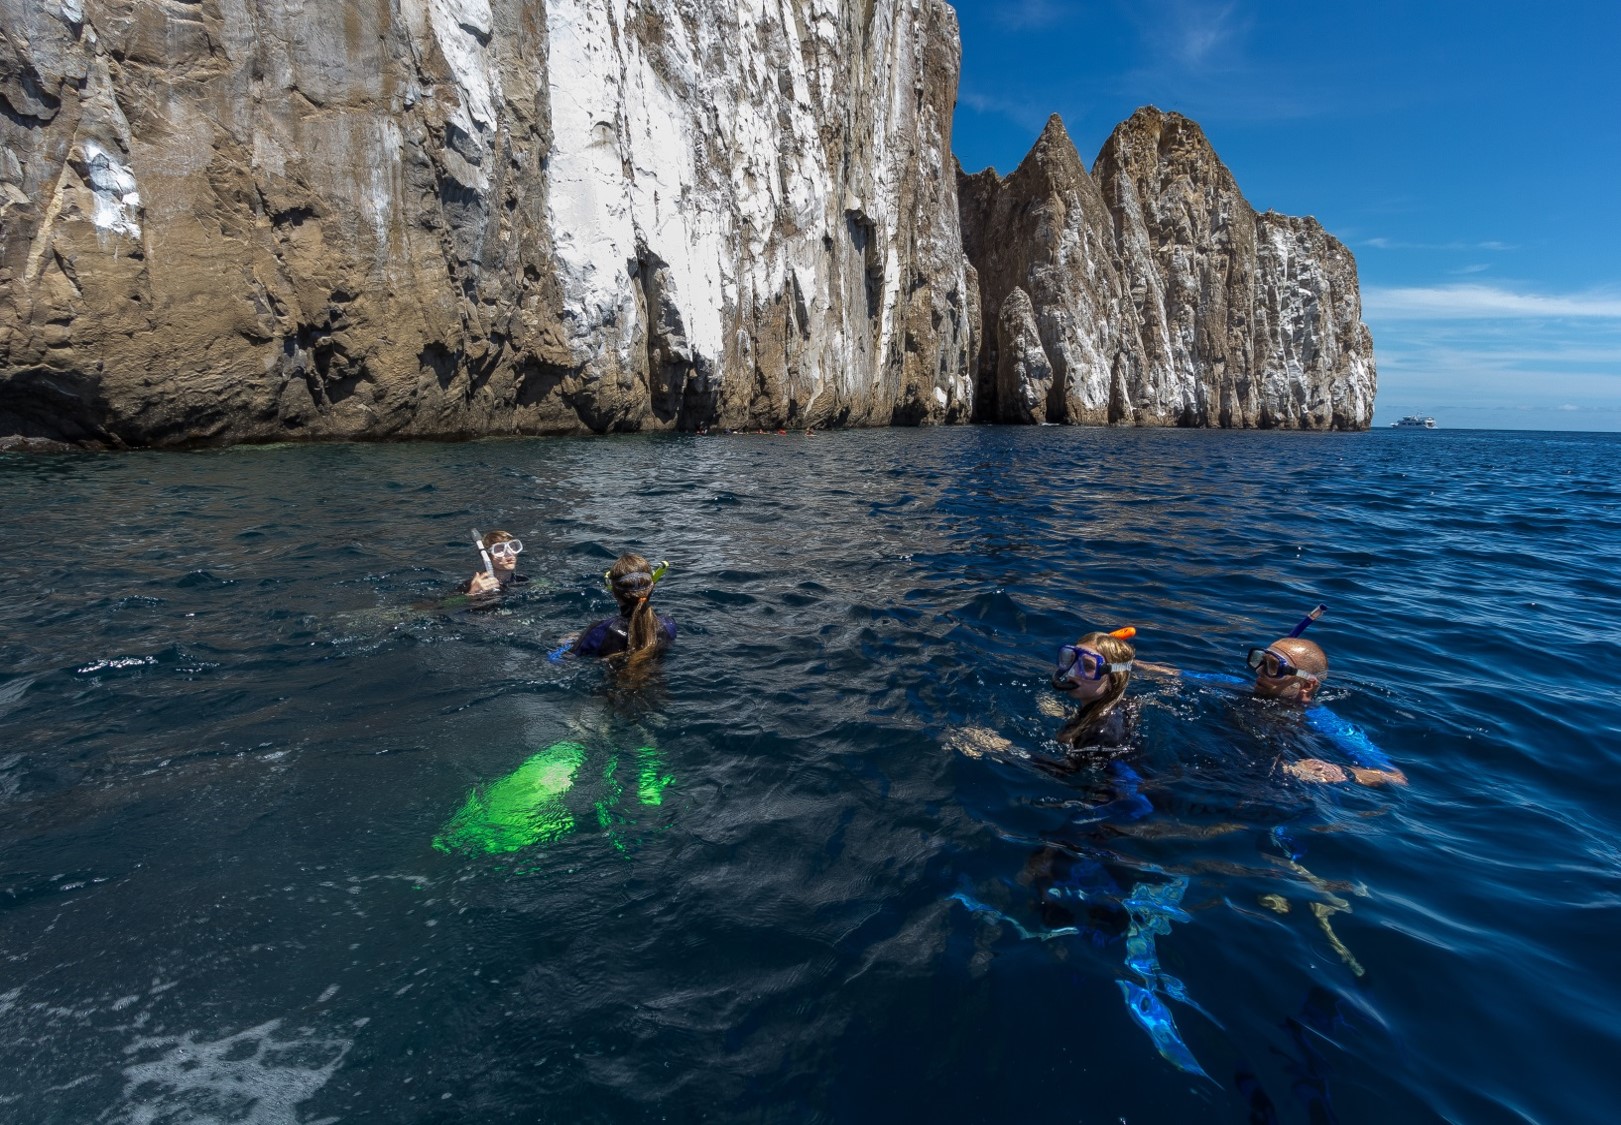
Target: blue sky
{"points": [[1468, 154]]}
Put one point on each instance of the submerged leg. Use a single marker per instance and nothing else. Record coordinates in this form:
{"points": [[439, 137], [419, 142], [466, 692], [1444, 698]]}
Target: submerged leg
{"points": [[651, 780]]}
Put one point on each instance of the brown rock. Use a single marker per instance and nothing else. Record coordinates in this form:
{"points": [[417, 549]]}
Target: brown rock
{"points": [[1159, 294], [234, 222]]}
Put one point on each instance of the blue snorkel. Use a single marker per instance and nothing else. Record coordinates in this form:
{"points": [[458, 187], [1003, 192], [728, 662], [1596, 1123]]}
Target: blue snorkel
{"points": [[1305, 622]]}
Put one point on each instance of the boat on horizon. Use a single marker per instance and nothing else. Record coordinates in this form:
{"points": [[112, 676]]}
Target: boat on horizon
{"points": [[1414, 422]]}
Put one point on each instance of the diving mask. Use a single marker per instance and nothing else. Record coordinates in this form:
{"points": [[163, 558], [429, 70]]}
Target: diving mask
{"points": [[1275, 665], [1076, 663]]}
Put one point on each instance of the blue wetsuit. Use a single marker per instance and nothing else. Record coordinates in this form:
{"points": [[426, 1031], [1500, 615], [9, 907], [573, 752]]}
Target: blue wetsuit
{"points": [[611, 636], [1347, 737]]}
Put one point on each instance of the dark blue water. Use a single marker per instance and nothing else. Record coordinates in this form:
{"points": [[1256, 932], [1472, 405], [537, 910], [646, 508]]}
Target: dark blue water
{"points": [[228, 742]]}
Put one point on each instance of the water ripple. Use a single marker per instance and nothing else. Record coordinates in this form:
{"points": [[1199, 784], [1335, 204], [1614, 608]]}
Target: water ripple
{"points": [[230, 737]]}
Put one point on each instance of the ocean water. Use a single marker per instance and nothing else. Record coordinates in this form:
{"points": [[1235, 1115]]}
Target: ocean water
{"points": [[826, 863]]}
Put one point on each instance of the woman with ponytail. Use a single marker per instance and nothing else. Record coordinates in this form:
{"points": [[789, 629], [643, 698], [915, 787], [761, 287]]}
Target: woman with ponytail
{"points": [[637, 632]]}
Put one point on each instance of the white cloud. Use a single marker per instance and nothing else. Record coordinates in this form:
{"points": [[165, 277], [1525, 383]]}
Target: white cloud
{"points": [[1026, 113], [1033, 13], [1200, 33], [1471, 302], [1382, 243]]}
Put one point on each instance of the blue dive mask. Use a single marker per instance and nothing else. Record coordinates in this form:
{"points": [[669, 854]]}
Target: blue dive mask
{"points": [[1077, 663], [1275, 665]]}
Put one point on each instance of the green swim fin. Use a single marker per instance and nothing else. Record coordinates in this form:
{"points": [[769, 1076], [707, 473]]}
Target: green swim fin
{"points": [[525, 807]]}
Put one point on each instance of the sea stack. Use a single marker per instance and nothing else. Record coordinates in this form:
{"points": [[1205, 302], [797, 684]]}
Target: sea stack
{"points": [[226, 222], [1159, 295]]}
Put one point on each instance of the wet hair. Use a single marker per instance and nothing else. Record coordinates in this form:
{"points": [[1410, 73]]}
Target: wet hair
{"points": [[1090, 718], [1306, 655], [491, 538], [631, 580]]}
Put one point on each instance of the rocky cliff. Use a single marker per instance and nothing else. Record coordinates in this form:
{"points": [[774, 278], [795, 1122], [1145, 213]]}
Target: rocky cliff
{"points": [[1150, 292], [246, 220], [256, 219]]}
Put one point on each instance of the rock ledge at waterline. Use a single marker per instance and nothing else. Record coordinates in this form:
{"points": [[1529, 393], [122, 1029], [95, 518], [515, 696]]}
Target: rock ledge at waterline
{"points": [[250, 220]]}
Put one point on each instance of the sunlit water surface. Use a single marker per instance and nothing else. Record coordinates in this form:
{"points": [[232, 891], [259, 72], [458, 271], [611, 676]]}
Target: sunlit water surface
{"points": [[820, 867]]}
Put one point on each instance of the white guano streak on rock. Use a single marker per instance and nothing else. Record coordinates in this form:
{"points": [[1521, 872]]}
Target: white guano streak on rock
{"points": [[459, 26], [783, 189], [385, 188], [669, 208], [753, 143], [112, 184], [808, 181], [1288, 372], [887, 166], [588, 200]]}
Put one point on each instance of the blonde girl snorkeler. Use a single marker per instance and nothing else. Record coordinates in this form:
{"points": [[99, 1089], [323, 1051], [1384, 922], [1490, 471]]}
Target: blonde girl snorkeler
{"points": [[1093, 672]]}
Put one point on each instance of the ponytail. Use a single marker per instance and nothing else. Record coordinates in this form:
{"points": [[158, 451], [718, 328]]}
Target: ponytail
{"points": [[645, 630], [631, 579]]}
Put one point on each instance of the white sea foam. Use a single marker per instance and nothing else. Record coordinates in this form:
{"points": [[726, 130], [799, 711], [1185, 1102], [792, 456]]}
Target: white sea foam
{"points": [[115, 663], [255, 1077]]}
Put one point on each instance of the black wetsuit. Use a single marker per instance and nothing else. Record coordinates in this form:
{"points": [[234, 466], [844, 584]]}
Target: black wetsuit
{"points": [[611, 635], [507, 579]]}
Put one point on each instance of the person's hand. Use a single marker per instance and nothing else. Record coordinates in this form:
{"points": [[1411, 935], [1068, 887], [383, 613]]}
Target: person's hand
{"points": [[1154, 669], [482, 583], [1379, 777], [1315, 769]]}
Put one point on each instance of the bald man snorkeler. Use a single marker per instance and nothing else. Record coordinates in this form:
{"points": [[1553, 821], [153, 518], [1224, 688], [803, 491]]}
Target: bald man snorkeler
{"points": [[1291, 670]]}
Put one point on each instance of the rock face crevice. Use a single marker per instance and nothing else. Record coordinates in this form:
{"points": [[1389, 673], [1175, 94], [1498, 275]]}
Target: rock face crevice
{"points": [[255, 219], [1158, 295]]}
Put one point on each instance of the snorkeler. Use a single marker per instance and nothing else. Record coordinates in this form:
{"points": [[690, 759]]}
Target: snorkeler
{"points": [[500, 551], [637, 632], [1290, 670], [1094, 672]]}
